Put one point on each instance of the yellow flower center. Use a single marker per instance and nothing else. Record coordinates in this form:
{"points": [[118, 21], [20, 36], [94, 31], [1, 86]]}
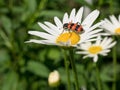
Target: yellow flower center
{"points": [[95, 49], [68, 37], [117, 31]]}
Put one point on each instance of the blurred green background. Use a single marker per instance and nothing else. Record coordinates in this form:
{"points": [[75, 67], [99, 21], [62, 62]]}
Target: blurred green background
{"points": [[27, 66]]}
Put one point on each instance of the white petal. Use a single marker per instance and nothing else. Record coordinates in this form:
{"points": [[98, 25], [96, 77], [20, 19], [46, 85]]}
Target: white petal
{"points": [[65, 18], [106, 33], [53, 32], [119, 18], [105, 51], [89, 40], [85, 46], [111, 45], [35, 41], [58, 22], [103, 54], [88, 35], [90, 19], [41, 34], [114, 20], [83, 40], [107, 21], [72, 16], [103, 41], [40, 42], [79, 14], [108, 26], [95, 59], [108, 41], [82, 52], [68, 43], [98, 40], [94, 31], [85, 56], [89, 55], [96, 25], [52, 26]]}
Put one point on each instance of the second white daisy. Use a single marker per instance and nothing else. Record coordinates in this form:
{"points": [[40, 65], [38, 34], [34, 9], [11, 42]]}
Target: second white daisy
{"points": [[112, 26], [100, 47]]}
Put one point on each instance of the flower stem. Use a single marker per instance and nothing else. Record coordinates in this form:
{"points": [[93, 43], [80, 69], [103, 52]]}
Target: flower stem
{"points": [[114, 66], [98, 77], [66, 62], [74, 68]]}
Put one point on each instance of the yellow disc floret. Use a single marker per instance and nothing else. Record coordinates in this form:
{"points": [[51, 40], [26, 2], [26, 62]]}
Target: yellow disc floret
{"points": [[66, 37], [117, 31], [95, 49]]}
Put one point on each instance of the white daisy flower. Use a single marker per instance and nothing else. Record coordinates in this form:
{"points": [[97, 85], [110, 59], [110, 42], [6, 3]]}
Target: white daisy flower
{"points": [[112, 26], [100, 47], [57, 35]]}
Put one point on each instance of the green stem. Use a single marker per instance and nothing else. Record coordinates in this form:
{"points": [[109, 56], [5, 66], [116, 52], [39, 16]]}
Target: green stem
{"points": [[98, 77], [114, 66], [66, 62], [74, 69]]}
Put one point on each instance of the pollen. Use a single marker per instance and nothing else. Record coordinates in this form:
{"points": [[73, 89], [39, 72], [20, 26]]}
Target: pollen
{"points": [[68, 37], [95, 49], [117, 31]]}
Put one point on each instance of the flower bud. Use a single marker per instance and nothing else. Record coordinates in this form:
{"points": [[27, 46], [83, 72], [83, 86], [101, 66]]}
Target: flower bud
{"points": [[54, 79]]}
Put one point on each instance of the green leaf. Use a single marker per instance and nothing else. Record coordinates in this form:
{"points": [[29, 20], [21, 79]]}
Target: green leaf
{"points": [[51, 13], [38, 69], [42, 55], [106, 77], [105, 86], [54, 54], [80, 68], [18, 10], [10, 81], [106, 74], [22, 84], [4, 55], [31, 5], [4, 60], [7, 24], [4, 9]]}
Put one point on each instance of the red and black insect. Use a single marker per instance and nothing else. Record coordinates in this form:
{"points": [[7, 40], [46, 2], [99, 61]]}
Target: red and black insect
{"points": [[74, 27]]}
